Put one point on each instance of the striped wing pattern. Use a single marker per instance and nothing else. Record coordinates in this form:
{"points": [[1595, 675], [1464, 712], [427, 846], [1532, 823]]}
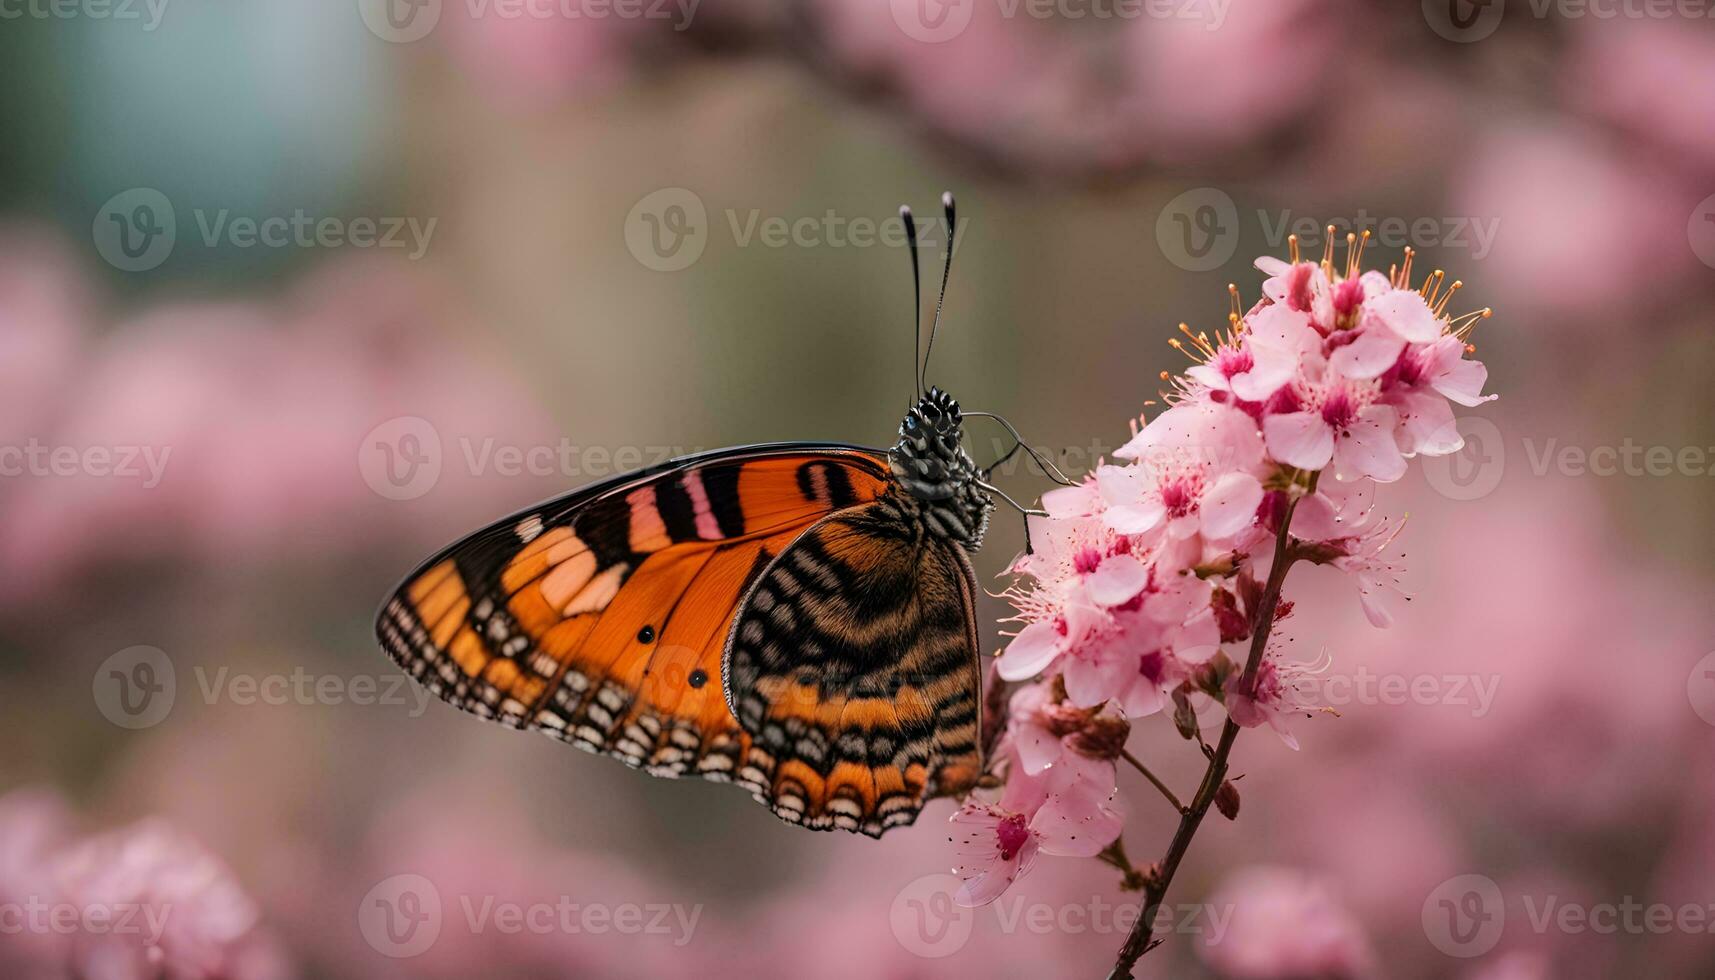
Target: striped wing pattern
{"points": [[853, 667], [600, 618]]}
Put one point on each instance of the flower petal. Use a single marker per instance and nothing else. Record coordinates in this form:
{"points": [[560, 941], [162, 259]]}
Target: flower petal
{"points": [[1204, 374], [1372, 596], [986, 886], [1370, 355], [1135, 518], [1270, 370], [1367, 448], [1030, 652], [1406, 313], [1037, 747], [1300, 439], [1117, 580], [1230, 505], [1426, 422], [1463, 382], [1078, 501]]}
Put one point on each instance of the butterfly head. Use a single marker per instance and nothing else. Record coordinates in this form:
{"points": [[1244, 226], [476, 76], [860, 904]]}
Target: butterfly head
{"points": [[930, 462]]}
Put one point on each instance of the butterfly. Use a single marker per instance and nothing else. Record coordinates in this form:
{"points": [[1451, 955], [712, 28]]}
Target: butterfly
{"points": [[796, 618]]}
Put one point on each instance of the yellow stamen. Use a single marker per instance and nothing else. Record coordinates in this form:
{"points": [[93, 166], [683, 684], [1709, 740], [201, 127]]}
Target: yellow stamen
{"points": [[1441, 307]]}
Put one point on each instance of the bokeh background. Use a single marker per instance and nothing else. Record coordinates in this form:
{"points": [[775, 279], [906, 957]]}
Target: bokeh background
{"points": [[516, 247]]}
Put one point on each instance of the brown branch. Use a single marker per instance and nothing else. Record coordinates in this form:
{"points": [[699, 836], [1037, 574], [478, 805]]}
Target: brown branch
{"points": [[1140, 940]]}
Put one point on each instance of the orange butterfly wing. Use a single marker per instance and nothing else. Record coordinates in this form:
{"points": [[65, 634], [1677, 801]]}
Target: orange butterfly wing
{"points": [[600, 618], [853, 666]]}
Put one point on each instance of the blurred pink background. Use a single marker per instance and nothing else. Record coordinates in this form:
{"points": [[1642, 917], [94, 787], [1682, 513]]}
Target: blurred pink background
{"points": [[202, 435]]}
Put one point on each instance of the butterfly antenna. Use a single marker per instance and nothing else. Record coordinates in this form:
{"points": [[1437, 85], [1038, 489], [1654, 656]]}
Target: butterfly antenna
{"points": [[946, 271], [916, 295], [1048, 467]]}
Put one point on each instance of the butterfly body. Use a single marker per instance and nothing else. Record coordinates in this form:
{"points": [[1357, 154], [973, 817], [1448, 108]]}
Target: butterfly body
{"points": [[797, 618]]}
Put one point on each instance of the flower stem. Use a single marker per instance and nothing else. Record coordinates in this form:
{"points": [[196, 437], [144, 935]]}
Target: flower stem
{"points": [[1140, 941], [1140, 767]]}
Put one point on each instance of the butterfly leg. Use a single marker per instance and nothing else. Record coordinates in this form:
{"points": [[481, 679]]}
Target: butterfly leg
{"points": [[1026, 512]]}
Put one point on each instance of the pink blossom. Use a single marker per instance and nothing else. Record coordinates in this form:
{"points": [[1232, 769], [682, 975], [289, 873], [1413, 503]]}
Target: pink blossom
{"points": [[1339, 420], [1339, 509], [1285, 924], [1043, 729], [1374, 335], [1250, 371], [1517, 174], [1194, 479], [1368, 559], [1302, 287], [1146, 582], [1279, 690], [150, 902], [207, 924], [1138, 661], [1067, 810]]}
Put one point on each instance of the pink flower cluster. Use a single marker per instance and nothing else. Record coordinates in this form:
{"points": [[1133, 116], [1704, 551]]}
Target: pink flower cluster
{"points": [[1146, 581], [142, 902]]}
